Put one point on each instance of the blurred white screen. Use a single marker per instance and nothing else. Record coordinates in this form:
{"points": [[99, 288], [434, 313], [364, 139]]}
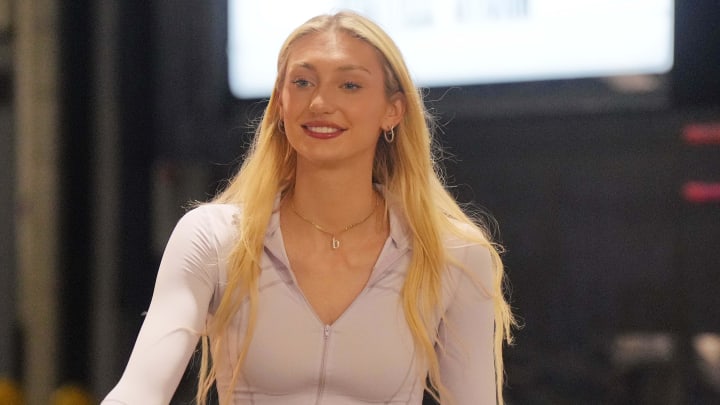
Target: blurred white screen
{"points": [[467, 42]]}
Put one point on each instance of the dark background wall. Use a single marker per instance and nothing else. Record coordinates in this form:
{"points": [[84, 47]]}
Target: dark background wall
{"points": [[585, 187]]}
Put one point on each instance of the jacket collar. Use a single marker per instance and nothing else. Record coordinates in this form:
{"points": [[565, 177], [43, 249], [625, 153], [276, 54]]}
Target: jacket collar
{"points": [[399, 230]]}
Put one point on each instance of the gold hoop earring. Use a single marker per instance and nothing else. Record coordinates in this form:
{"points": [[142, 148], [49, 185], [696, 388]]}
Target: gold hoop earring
{"points": [[389, 135], [281, 126]]}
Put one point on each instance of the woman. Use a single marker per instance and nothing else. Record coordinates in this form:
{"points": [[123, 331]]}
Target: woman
{"points": [[335, 268]]}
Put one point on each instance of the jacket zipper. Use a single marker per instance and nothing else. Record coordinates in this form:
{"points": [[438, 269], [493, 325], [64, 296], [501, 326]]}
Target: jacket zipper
{"points": [[321, 383]]}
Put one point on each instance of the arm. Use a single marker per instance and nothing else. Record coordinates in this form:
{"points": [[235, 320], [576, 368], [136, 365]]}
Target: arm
{"points": [[176, 315], [467, 365]]}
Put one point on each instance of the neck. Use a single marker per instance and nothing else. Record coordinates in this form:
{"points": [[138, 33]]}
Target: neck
{"points": [[333, 199]]}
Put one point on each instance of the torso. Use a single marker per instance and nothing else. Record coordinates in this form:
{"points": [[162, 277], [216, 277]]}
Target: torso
{"points": [[329, 330], [365, 356], [331, 279]]}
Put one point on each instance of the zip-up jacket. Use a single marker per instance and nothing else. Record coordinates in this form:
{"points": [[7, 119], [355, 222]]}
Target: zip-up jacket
{"points": [[365, 357]]}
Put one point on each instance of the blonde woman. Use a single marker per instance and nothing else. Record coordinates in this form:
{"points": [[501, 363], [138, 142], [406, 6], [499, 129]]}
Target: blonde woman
{"points": [[334, 268]]}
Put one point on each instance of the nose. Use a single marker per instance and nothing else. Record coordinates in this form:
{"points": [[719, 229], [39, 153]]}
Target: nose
{"points": [[321, 102]]}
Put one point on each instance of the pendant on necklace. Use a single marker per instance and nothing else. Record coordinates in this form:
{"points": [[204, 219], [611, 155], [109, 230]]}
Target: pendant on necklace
{"points": [[335, 243]]}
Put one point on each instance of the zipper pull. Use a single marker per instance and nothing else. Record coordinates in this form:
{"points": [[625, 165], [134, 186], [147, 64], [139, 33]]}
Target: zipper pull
{"points": [[326, 332]]}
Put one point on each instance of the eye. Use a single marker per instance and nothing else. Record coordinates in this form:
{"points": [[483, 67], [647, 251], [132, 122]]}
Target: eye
{"points": [[301, 83], [350, 86]]}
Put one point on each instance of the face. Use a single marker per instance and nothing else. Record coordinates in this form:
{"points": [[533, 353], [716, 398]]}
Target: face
{"points": [[333, 100]]}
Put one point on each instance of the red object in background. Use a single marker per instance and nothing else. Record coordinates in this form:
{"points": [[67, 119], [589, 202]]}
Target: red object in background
{"points": [[699, 192], [702, 134]]}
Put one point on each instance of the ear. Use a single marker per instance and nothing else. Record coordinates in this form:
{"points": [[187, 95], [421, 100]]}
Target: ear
{"points": [[395, 110]]}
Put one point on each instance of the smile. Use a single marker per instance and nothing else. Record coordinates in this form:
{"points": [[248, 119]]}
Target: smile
{"points": [[323, 131]]}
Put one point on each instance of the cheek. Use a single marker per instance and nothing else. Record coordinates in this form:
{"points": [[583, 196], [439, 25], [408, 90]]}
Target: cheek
{"points": [[288, 98], [284, 100], [370, 114]]}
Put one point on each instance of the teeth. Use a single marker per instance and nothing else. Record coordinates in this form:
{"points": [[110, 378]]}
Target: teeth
{"points": [[323, 130]]}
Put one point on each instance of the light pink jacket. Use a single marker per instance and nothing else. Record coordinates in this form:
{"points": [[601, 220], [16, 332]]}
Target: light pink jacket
{"points": [[365, 357]]}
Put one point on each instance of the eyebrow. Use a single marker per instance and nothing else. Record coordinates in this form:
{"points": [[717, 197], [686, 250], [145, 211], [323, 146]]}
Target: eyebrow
{"points": [[343, 68]]}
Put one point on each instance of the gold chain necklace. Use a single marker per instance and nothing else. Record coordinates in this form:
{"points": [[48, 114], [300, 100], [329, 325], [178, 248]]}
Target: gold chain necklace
{"points": [[335, 242]]}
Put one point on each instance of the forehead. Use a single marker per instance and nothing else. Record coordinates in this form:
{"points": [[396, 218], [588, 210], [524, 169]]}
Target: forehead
{"points": [[333, 48]]}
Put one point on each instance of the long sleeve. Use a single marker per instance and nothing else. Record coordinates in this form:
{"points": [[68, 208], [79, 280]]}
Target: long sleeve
{"points": [[466, 351], [176, 316]]}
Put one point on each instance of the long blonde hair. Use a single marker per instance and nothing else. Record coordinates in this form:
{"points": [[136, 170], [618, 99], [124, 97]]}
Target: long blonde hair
{"points": [[407, 170]]}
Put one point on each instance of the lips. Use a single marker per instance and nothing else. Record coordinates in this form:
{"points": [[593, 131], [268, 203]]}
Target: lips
{"points": [[322, 130]]}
